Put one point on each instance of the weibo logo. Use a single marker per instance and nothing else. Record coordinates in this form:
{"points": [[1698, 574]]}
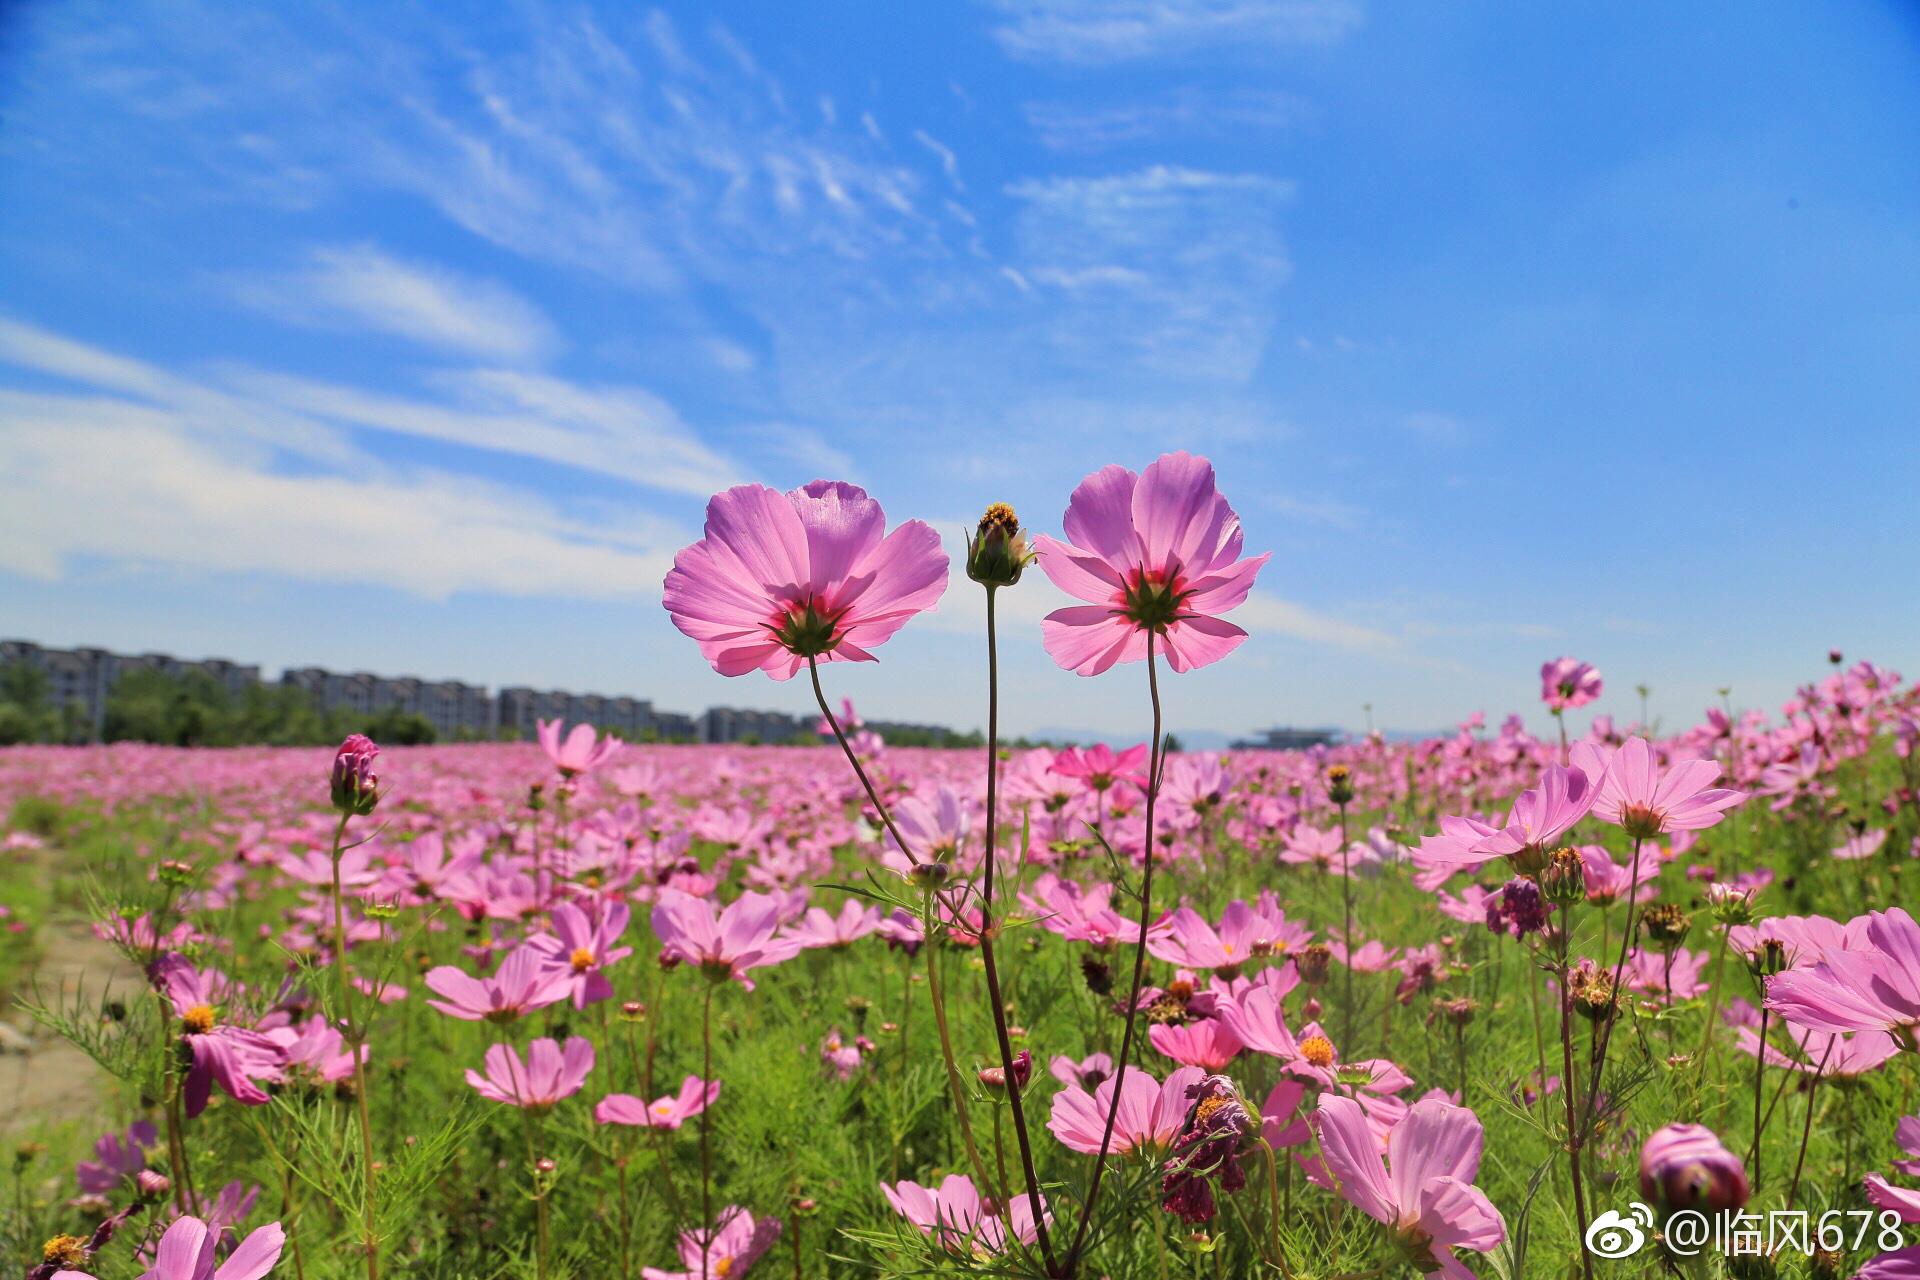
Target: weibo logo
{"points": [[1612, 1235]]}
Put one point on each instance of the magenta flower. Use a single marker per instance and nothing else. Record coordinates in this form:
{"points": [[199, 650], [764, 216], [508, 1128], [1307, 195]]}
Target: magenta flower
{"points": [[1877, 990], [741, 938], [581, 946], [1157, 552], [1427, 1199], [235, 1057], [579, 753], [1149, 1117], [1208, 1042], [1635, 795], [524, 982], [118, 1160], [1245, 933], [669, 1112], [548, 1074], [724, 1253], [954, 1216], [820, 928], [355, 787], [315, 1050], [1541, 815], [1568, 682], [782, 578], [186, 1252], [1683, 1166], [1100, 766]]}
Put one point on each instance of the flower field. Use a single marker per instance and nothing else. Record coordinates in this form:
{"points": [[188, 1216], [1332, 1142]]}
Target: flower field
{"points": [[1489, 1004]]}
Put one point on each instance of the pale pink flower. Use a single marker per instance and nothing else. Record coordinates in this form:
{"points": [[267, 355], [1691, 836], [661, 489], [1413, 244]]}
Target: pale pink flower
{"points": [[1208, 1042], [186, 1252], [1149, 1117], [669, 1112], [1426, 1198], [581, 947], [1646, 801], [956, 1219], [741, 937], [548, 1073], [1156, 552], [724, 1253], [1568, 682], [579, 753], [781, 578], [524, 982]]}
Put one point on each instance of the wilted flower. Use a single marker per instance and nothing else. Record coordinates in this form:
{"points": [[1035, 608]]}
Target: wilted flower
{"points": [[1206, 1151]]}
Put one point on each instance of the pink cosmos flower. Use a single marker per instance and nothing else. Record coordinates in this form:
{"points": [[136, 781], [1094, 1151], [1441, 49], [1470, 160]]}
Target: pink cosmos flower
{"points": [[1830, 1057], [579, 753], [1684, 1166], [1680, 978], [1208, 1043], [315, 1050], [1078, 913], [781, 578], [1149, 1117], [1427, 1200], [1245, 933], [1099, 766], [724, 1253], [1568, 682], [581, 946], [524, 982], [1636, 795], [741, 938], [669, 1112], [1084, 1074], [820, 928], [186, 1252], [1541, 815], [548, 1074], [957, 1220], [233, 1056], [1876, 990], [118, 1160], [1156, 552]]}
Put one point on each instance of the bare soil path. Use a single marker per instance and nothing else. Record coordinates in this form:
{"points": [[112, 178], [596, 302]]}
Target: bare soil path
{"points": [[44, 1081]]}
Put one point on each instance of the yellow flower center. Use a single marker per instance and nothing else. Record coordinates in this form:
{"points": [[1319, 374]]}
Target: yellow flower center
{"points": [[582, 959], [1205, 1111], [198, 1020], [723, 1268], [1318, 1050], [65, 1251]]}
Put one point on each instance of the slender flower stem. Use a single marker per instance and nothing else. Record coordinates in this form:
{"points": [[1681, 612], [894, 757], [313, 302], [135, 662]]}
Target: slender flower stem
{"points": [[1806, 1130], [1346, 936], [988, 928], [1273, 1213], [1759, 1076], [946, 1052], [356, 1042], [1619, 968], [1574, 1127], [706, 1151], [1072, 1259]]}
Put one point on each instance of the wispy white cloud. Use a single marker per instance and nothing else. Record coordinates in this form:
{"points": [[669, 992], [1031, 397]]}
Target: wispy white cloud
{"points": [[1177, 266], [1434, 427], [1106, 31], [1185, 114], [1327, 511], [360, 287]]}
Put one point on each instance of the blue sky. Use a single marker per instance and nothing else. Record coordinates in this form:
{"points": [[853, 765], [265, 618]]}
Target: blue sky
{"points": [[412, 337]]}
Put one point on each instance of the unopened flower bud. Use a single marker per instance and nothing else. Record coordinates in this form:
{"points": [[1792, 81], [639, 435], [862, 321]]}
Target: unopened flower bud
{"points": [[356, 789], [1767, 959], [1683, 1166], [152, 1185], [1730, 906], [1313, 962], [997, 553], [175, 874], [1098, 974], [1563, 881], [929, 876], [1340, 784], [1665, 927], [633, 1011]]}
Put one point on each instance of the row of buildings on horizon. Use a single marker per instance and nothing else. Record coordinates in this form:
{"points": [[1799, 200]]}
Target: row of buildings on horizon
{"points": [[85, 676]]}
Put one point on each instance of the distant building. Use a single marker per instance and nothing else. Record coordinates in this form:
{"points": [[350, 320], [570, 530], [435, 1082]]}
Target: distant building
{"points": [[452, 707], [1289, 739]]}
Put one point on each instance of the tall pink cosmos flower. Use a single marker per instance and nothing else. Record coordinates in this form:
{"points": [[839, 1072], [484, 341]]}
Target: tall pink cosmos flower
{"points": [[235, 1057], [1636, 795], [186, 1252], [781, 578], [1568, 682], [524, 982], [581, 946], [1156, 552], [1877, 990], [1542, 814], [1149, 1118], [954, 1215], [740, 938], [579, 752], [1100, 766], [1427, 1199], [724, 1253], [669, 1112], [548, 1074]]}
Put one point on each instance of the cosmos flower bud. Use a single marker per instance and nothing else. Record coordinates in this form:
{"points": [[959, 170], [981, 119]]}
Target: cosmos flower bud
{"points": [[152, 1185], [537, 796], [1751, 1266], [1098, 973], [1767, 959], [1591, 991], [994, 1079], [1729, 905], [633, 1011], [1683, 1166], [355, 786], [930, 875], [176, 874], [1563, 881], [1665, 927], [997, 552], [1313, 962], [1340, 784]]}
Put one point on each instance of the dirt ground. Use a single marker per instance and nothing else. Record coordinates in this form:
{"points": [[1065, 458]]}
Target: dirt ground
{"points": [[46, 1083]]}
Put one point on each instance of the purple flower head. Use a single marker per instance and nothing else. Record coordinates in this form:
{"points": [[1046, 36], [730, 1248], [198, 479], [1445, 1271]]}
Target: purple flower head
{"points": [[1518, 909], [1568, 682]]}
